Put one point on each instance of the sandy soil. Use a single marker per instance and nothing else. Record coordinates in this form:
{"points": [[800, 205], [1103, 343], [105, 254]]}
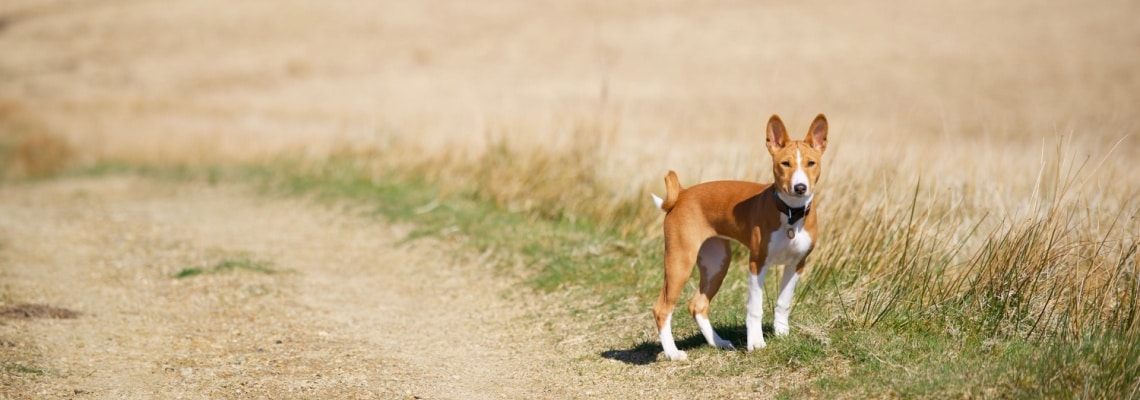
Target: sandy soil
{"points": [[347, 313]]}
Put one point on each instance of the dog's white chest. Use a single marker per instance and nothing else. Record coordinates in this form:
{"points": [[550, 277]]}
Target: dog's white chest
{"points": [[788, 248]]}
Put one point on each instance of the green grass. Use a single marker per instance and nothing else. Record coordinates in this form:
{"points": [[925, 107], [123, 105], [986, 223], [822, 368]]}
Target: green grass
{"points": [[903, 299], [17, 368], [565, 250], [227, 265]]}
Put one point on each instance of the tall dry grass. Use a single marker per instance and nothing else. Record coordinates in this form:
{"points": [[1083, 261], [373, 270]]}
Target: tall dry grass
{"points": [[28, 148], [1055, 270]]}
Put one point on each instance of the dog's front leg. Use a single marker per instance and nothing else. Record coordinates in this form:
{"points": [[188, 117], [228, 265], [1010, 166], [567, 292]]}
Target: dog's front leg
{"points": [[784, 299], [755, 318]]}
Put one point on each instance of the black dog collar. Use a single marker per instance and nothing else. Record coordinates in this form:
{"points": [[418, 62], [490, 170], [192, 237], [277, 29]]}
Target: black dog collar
{"points": [[794, 214]]}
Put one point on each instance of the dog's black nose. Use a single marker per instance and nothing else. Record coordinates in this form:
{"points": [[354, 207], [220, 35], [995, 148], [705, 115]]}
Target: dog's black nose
{"points": [[799, 188]]}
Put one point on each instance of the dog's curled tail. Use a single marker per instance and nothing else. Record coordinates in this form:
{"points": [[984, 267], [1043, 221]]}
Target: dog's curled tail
{"points": [[672, 190]]}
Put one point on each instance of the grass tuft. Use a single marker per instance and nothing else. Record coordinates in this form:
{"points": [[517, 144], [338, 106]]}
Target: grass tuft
{"points": [[227, 265], [18, 368]]}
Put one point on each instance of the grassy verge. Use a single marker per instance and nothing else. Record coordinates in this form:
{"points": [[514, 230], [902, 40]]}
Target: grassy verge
{"points": [[904, 298]]}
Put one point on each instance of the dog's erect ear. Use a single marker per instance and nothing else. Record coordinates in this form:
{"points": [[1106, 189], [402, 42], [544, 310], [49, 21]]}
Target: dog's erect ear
{"points": [[777, 134], [817, 134]]}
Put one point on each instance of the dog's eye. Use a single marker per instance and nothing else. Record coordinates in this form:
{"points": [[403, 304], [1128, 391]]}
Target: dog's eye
{"points": [[786, 164], [811, 163]]}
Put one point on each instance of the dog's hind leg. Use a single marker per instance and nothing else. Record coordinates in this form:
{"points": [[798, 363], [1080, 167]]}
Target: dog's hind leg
{"points": [[680, 254], [713, 261]]}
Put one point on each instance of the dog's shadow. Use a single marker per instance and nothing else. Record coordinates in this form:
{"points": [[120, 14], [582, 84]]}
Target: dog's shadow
{"points": [[646, 353]]}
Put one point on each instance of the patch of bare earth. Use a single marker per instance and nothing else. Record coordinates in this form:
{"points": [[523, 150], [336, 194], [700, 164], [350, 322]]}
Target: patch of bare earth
{"points": [[342, 308], [32, 311]]}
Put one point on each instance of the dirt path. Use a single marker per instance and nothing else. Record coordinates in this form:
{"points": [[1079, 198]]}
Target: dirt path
{"points": [[347, 312]]}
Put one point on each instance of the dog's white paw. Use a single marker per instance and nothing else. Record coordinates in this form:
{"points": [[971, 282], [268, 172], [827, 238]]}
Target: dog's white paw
{"points": [[757, 346], [676, 356], [781, 329]]}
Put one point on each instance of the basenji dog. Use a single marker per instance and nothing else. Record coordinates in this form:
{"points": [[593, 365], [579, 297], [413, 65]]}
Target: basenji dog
{"points": [[776, 221]]}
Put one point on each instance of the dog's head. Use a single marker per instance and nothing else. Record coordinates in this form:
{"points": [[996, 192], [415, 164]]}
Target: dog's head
{"points": [[796, 164]]}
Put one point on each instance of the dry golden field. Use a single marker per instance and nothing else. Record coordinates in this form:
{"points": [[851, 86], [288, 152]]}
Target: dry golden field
{"points": [[1003, 115], [913, 86], [974, 95]]}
